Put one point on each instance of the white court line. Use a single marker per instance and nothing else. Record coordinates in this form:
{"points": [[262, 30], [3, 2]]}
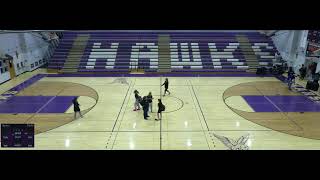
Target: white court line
{"points": [[273, 104], [46, 104]]}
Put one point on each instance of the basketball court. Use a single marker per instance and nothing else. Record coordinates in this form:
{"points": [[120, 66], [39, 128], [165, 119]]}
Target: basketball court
{"points": [[202, 113]]}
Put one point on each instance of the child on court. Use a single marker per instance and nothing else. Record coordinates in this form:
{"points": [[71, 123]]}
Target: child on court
{"points": [[166, 87], [161, 108], [76, 107], [149, 97], [137, 100]]}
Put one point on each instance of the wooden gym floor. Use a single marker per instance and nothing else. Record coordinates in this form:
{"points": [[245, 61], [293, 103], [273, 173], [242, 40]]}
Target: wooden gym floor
{"points": [[206, 113]]}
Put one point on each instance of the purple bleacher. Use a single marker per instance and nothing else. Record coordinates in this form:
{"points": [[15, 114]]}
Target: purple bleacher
{"points": [[207, 70], [127, 39], [103, 70]]}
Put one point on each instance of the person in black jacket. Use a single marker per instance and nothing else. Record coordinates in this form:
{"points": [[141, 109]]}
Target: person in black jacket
{"points": [[145, 105], [166, 87], [76, 107], [161, 108]]}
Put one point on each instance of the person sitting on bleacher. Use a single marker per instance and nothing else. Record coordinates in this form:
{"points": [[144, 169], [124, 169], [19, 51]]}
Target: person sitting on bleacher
{"points": [[274, 70], [278, 57], [279, 70]]}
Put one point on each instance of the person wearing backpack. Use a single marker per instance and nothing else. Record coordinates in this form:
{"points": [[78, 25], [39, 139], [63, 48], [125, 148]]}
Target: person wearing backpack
{"points": [[161, 108], [137, 100]]}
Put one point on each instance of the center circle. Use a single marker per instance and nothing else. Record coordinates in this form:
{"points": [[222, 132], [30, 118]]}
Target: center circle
{"points": [[172, 103]]}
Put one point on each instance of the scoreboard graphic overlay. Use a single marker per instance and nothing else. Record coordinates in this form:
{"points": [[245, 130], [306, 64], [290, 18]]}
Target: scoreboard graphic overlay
{"points": [[17, 135]]}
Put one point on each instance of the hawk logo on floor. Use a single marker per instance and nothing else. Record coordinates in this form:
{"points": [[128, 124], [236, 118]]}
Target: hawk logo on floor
{"points": [[239, 144], [120, 80]]}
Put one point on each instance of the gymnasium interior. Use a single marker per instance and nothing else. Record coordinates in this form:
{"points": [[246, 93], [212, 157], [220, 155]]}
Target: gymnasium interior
{"points": [[229, 89]]}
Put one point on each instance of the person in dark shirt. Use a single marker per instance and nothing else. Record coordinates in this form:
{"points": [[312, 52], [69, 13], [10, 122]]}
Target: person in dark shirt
{"points": [[161, 108], [291, 77], [76, 107], [145, 105], [166, 86], [313, 68], [150, 98], [303, 72], [137, 100]]}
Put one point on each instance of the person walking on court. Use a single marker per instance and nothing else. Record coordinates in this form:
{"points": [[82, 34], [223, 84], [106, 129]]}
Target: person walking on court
{"points": [[145, 106], [166, 86], [149, 97], [137, 100], [291, 77], [76, 107], [161, 108]]}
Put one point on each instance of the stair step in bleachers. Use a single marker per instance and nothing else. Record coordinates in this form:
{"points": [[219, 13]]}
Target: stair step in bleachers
{"points": [[164, 64], [73, 59], [250, 55]]}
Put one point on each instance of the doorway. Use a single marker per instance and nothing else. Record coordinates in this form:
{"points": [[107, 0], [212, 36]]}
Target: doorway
{"points": [[11, 68]]}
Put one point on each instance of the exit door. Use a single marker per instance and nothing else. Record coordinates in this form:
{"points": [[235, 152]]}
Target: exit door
{"points": [[11, 69]]}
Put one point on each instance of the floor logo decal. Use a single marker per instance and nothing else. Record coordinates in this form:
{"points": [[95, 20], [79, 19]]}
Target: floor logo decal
{"points": [[120, 81], [239, 144]]}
